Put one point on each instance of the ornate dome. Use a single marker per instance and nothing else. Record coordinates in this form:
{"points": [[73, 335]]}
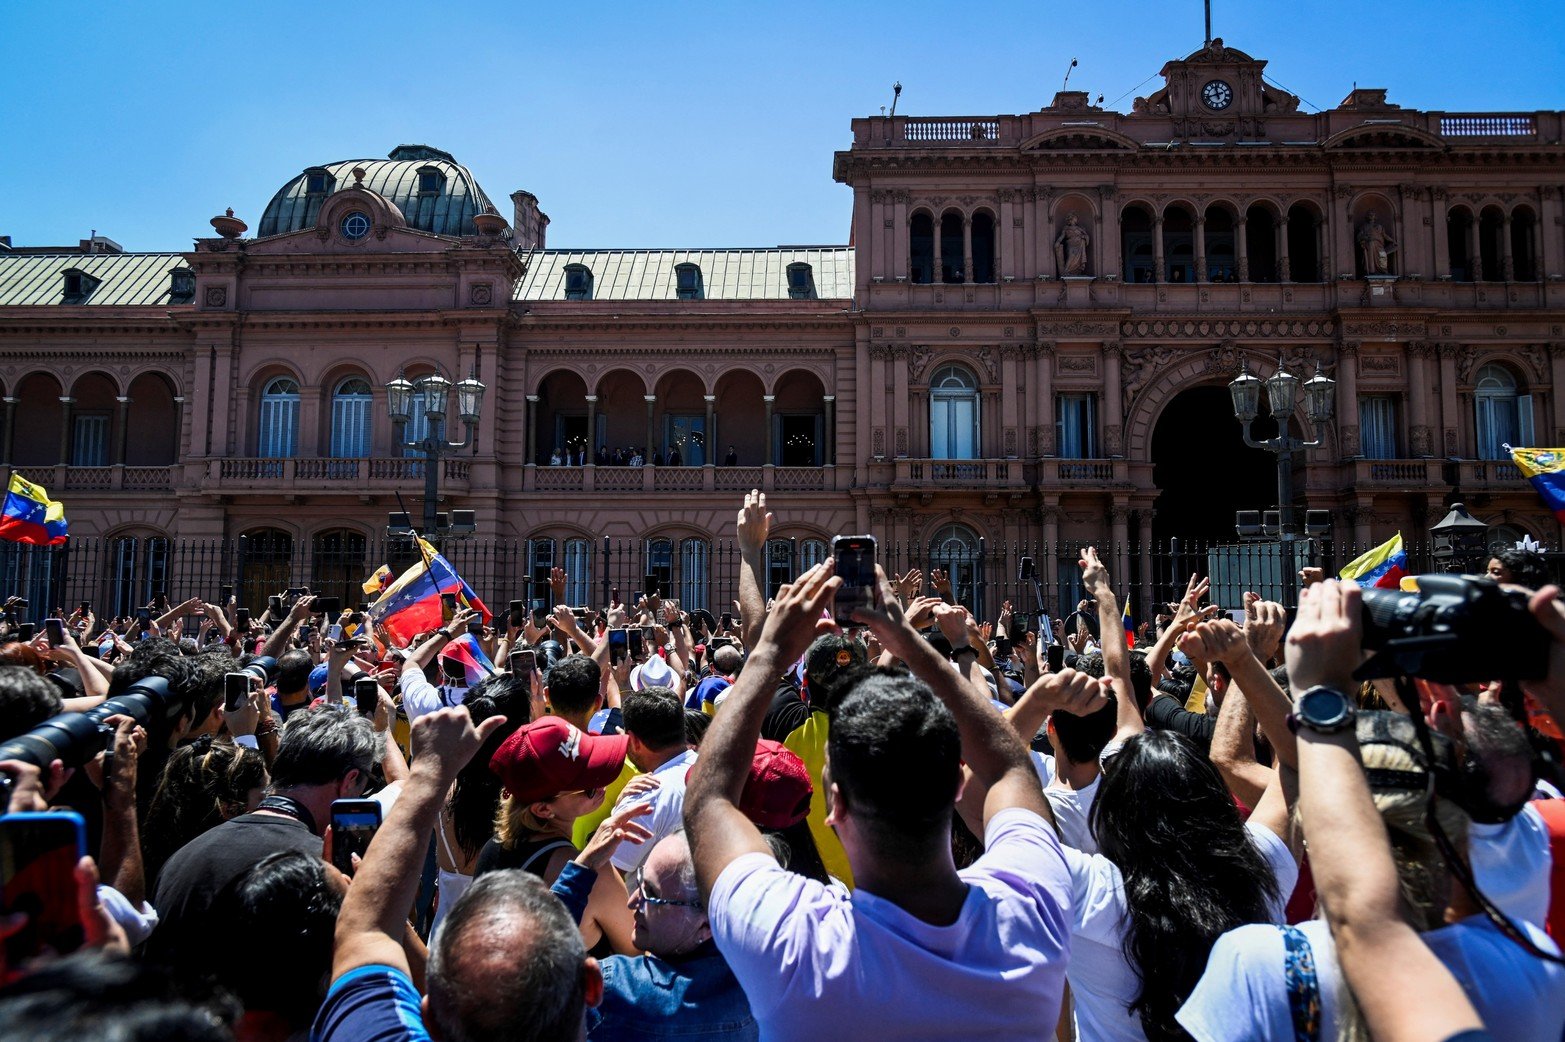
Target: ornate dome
{"points": [[434, 192]]}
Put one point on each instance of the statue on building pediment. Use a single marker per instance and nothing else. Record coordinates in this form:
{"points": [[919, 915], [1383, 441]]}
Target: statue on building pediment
{"points": [[1070, 248], [1375, 246]]}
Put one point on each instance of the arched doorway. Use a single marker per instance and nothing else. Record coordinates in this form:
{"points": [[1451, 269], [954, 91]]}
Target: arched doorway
{"points": [[1204, 471]]}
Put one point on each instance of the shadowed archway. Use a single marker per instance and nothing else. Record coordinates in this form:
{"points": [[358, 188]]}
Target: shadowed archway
{"points": [[1203, 469]]}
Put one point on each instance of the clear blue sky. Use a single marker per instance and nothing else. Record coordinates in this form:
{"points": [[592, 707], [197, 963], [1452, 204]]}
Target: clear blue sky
{"points": [[637, 124]]}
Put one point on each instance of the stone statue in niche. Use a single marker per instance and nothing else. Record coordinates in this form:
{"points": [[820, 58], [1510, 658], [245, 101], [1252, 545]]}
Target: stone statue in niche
{"points": [[1375, 246], [1070, 249]]}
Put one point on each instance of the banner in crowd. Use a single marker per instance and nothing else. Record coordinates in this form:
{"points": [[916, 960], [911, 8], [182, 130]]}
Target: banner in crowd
{"points": [[1382, 568], [30, 516], [411, 605], [469, 654], [1545, 468]]}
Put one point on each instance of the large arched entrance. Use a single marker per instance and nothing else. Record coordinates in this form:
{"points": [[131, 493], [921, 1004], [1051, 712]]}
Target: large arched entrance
{"points": [[1204, 471]]}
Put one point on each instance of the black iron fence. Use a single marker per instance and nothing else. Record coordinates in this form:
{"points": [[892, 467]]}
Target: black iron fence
{"points": [[116, 576]]}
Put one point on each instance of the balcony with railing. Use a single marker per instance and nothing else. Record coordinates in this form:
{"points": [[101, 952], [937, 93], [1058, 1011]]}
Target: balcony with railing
{"points": [[931, 475], [710, 478], [101, 479], [242, 475]]}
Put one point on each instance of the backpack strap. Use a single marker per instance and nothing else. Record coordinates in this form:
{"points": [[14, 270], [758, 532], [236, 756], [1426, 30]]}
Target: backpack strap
{"points": [[527, 866], [1303, 986]]}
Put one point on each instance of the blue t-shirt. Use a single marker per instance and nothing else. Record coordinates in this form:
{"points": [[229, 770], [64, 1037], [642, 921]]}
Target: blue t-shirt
{"points": [[370, 1004], [706, 691]]}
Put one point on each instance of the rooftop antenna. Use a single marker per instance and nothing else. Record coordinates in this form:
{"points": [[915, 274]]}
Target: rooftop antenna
{"points": [[1208, 22], [1068, 69], [896, 92]]}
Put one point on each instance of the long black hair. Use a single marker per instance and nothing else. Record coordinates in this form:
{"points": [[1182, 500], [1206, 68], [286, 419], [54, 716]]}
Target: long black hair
{"points": [[476, 795], [1164, 818]]}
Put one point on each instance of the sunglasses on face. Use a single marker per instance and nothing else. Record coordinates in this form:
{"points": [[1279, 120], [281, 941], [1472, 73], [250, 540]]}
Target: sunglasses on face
{"points": [[637, 885]]}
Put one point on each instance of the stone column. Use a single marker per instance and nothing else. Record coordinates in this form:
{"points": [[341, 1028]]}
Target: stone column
{"points": [[709, 450], [770, 400], [1158, 274], [122, 420], [1450, 420], [1556, 397], [900, 252], [1440, 254], [1474, 253], [592, 428], [179, 426], [1201, 274], [1418, 400], [1106, 247], [646, 450], [530, 432], [1324, 260], [66, 404], [1043, 397], [938, 276], [1049, 514], [967, 248], [1119, 535], [1549, 216], [1347, 398], [1507, 261], [7, 429], [1242, 246], [1113, 402], [1284, 271], [829, 457]]}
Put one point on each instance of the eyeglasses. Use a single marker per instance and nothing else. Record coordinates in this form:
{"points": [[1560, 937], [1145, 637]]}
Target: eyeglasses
{"points": [[637, 885]]}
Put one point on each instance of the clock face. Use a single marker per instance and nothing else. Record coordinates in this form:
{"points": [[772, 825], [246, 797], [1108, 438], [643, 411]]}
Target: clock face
{"points": [[1217, 94]]}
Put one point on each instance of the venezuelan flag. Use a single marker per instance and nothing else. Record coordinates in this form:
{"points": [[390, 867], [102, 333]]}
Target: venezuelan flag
{"points": [[376, 583], [30, 516], [1545, 468], [1382, 568], [467, 651], [411, 605], [1130, 625]]}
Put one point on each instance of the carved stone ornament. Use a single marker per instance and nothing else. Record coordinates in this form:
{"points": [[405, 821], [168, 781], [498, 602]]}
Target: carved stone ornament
{"points": [[1350, 440], [481, 294], [1225, 359], [987, 359], [1206, 329], [1141, 365], [1450, 441], [1077, 328], [901, 441], [918, 360], [1535, 357], [1378, 363], [217, 296], [1078, 364], [1114, 439], [1464, 363], [1420, 441]]}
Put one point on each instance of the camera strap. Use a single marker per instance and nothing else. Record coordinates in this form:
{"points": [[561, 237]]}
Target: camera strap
{"points": [[289, 807]]}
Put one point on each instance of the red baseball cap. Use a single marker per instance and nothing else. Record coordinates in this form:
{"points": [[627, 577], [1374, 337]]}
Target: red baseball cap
{"points": [[777, 792], [550, 756]]}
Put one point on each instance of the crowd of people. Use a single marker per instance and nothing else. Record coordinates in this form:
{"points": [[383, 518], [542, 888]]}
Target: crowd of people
{"points": [[575, 455], [838, 813]]}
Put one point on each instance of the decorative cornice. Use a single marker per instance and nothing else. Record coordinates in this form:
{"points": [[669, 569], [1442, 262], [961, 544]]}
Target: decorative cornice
{"points": [[1205, 328]]}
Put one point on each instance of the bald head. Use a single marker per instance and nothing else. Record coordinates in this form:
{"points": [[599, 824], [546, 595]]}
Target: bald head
{"points": [[727, 660]]}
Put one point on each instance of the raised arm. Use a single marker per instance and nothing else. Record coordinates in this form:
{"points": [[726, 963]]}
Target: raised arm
{"points": [[754, 524], [1405, 992], [718, 831], [278, 642], [1184, 611], [1116, 653]]}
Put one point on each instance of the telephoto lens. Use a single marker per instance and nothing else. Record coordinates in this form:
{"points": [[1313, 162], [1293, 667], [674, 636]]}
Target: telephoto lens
{"points": [[75, 738], [1441, 631]]}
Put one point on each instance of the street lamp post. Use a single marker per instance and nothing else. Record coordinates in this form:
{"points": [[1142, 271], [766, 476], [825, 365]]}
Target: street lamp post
{"points": [[435, 391], [1282, 392]]}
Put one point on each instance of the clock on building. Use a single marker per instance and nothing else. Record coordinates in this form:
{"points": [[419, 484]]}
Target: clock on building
{"points": [[1217, 94]]}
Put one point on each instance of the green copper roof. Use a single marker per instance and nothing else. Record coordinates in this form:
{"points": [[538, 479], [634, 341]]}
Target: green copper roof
{"points": [[448, 211], [120, 279], [740, 274]]}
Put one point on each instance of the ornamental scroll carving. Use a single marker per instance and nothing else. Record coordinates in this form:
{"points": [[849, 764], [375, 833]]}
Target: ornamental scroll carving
{"points": [[1140, 365]]}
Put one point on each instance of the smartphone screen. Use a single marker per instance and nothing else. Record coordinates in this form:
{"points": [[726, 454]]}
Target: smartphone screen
{"points": [[54, 630], [225, 593], [353, 825], [1018, 630], [524, 662], [619, 645], [236, 688], [86, 607], [540, 618], [242, 618], [649, 584], [475, 626], [1056, 657], [726, 620], [366, 692], [38, 855], [331, 607], [855, 559], [1002, 647], [518, 613], [274, 605], [447, 606], [638, 642]]}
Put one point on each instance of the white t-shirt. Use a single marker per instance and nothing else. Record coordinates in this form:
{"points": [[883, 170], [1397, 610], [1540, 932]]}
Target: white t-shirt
{"points": [[817, 964], [1511, 864], [1243, 996], [668, 810], [1072, 807], [1102, 983]]}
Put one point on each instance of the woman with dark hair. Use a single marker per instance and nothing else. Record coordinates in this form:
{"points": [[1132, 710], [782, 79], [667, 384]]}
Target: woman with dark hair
{"points": [[1176, 869], [1513, 564], [203, 785]]}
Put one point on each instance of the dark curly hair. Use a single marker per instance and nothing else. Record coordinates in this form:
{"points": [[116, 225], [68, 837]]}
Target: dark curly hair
{"points": [[203, 785], [475, 797]]}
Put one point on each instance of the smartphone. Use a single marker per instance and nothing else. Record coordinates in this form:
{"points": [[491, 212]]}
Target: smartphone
{"points": [[1018, 631], [307, 632], [225, 593], [619, 645], [855, 557], [54, 630], [38, 855], [475, 626], [293, 593], [242, 618], [726, 620], [331, 607], [274, 606], [447, 606], [540, 618], [614, 595], [160, 600], [1027, 570], [25, 631], [637, 642], [335, 633], [524, 662], [1002, 647], [353, 825], [649, 584], [85, 608], [366, 692], [1056, 657], [236, 688], [518, 614]]}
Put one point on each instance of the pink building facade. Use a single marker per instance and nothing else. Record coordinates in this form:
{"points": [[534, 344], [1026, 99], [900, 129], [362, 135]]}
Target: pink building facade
{"points": [[1027, 340]]}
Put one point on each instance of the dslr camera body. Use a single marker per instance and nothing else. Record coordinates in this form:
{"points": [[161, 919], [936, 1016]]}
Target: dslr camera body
{"points": [[1454, 629]]}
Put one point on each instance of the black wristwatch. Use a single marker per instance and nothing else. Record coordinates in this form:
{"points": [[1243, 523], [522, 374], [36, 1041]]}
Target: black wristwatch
{"points": [[965, 647], [1324, 710]]}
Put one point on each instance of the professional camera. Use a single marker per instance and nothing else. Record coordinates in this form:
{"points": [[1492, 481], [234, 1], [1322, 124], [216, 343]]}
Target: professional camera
{"points": [[76, 738], [1454, 629], [261, 667]]}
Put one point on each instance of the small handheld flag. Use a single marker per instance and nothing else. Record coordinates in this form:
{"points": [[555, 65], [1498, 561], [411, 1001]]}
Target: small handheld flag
{"points": [[1381, 568], [1545, 468], [1130, 626], [373, 586], [30, 516], [470, 654], [412, 604]]}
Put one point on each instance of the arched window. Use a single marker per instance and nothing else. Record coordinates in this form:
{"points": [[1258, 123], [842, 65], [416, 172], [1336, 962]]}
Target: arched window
{"points": [[1490, 248], [1222, 261], [351, 410], [1178, 245], [951, 247], [779, 565], [958, 552], [1524, 246], [1458, 239], [953, 414], [1135, 244], [1502, 417], [1260, 234], [278, 432], [921, 249], [1303, 245], [695, 557], [578, 572], [811, 553], [338, 565], [140, 571], [660, 562], [265, 566]]}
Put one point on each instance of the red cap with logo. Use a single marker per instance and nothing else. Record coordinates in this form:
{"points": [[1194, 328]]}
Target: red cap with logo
{"points": [[550, 756], [777, 792]]}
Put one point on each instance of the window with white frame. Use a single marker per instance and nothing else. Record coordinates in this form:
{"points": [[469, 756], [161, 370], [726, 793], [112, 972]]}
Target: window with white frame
{"points": [[578, 572], [1076, 426], [1378, 427], [779, 565], [956, 550], [1502, 416], [811, 553], [278, 430], [351, 426], [695, 556], [90, 440], [953, 414]]}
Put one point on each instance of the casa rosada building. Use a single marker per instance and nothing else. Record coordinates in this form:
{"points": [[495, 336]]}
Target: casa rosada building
{"points": [[1027, 339]]}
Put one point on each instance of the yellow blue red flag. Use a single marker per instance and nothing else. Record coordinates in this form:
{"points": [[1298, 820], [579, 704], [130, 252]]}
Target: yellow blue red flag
{"points": [[30, 516], [1545, 468], [1382, 568], [411, 605]]}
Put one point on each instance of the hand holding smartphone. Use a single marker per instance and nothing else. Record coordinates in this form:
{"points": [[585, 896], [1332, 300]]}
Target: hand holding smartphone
{"points": [[38, 856], [619, 645], [855, 566], [353, 825], [366, 694]]}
